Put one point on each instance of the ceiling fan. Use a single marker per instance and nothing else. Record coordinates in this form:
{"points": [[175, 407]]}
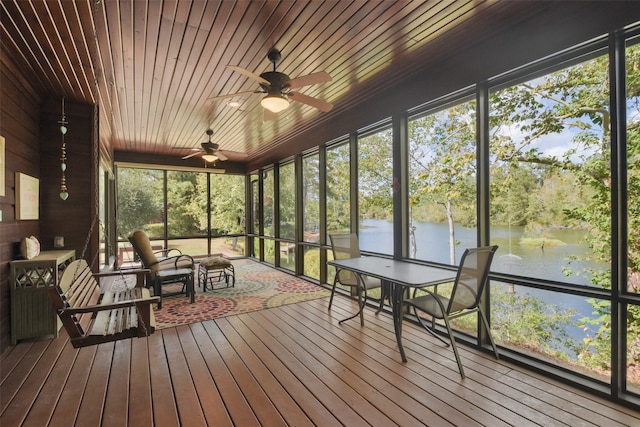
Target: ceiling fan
{"points": [[208, 150], [278, 87]]}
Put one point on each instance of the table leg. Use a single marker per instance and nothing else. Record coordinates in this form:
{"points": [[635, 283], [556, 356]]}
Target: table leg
{"points": [[397, 292]]}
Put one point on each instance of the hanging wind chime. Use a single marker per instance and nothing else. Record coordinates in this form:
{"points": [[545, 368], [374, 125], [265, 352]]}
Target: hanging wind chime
{"points": [[64, 194]]}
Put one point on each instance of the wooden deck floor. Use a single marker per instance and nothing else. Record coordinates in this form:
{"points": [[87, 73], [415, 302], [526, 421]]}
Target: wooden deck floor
{"points": [[292, 365]]}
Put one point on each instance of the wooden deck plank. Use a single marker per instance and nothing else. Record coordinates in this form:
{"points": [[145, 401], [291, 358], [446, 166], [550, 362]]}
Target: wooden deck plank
{"points": [[213, 407], [402, 388], [354, 392], [140, 406], [187, 400], [484, 377], [93, 399], [262, 321], [13, 357], [257, 398], [165, 412], [361, 374], [584, 404], [290, 365], [237, 333], [237, 406], [32, 383], [261, 342], [19, 374], [68, 405], [322, 393], [47, 399], [436, 363], [117, 400]]}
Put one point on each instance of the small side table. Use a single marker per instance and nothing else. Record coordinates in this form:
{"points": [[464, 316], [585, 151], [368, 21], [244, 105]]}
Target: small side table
{"points": [[216, 270], [183, 275], [32, 315]]}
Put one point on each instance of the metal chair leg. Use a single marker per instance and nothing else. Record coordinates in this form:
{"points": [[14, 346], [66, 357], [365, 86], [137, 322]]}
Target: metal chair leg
{"points": [[428, 328], [361, 303], [333, 291], [453, 345]]}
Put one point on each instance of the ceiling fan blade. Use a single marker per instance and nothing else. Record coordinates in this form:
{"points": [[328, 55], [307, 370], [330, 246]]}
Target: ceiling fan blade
{"points": [[310, 79], [314, 102], [185, 148], [195, 153], [232, 155], [249, 74], [221, 156], [231, 95]]}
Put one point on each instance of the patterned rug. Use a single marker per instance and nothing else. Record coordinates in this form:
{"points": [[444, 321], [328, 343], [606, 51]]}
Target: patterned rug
{"points": [[257, 287]]}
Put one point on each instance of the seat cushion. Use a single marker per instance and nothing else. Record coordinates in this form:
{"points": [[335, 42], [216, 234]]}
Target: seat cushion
{"points": [[179, 272], [216, 262]]}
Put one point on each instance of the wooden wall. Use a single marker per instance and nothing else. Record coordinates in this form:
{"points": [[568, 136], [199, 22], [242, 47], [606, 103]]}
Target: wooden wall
{"points": [[20, 126], [30, 127], [71, 218]]}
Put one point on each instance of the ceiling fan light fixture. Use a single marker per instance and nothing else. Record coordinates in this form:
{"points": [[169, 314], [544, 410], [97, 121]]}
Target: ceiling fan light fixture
{"points": [[209, 158], [275, 103]]}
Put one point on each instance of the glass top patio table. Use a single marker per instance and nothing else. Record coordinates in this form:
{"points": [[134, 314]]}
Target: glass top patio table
{"points": [[399, 275]]}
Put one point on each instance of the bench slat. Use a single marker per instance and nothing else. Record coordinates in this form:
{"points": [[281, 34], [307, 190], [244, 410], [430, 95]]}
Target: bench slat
{"points": [[114, 315]]}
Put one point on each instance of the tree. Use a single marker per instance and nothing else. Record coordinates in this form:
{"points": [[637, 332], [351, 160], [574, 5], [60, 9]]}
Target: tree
{"points": [[575, 184], [185, 215], [375, 175], [139, 202], [338, 179], [442, 158], [227, 204]]}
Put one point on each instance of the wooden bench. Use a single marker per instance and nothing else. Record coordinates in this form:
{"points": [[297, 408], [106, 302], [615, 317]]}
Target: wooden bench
{"points": [[91, 316]]}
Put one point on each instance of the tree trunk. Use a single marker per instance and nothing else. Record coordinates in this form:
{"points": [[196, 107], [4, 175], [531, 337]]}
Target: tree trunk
{"points": [[452, 234]]}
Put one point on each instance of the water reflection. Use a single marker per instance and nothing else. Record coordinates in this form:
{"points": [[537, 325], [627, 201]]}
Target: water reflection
{"points": [[542, 261], [547, 260]]}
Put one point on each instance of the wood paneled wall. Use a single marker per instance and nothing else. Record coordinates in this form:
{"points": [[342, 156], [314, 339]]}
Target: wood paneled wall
{"points": [[30, 127], [71, 218], [20, 126]]}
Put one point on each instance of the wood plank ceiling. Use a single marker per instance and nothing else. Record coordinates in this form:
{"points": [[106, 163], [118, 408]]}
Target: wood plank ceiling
{"points": [[152, 66]]}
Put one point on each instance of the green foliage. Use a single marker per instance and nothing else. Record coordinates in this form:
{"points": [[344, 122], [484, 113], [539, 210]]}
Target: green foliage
{"points": [[227, 204], [338, 201], [183, 209], [139, 199], [375, 175], [141, 203], [312, 263], [528, 322], [287, 208]]}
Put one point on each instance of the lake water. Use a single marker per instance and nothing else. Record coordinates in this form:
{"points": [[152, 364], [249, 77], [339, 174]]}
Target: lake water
{"points": [[530, 261]]}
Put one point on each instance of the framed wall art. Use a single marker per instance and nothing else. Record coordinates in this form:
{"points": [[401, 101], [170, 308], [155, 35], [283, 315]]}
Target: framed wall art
{"points": [[27, 196]]}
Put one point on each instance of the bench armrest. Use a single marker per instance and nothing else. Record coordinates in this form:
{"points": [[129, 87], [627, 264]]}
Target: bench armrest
{"points": [[110, 306], [125, 272], [140, 274]]}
